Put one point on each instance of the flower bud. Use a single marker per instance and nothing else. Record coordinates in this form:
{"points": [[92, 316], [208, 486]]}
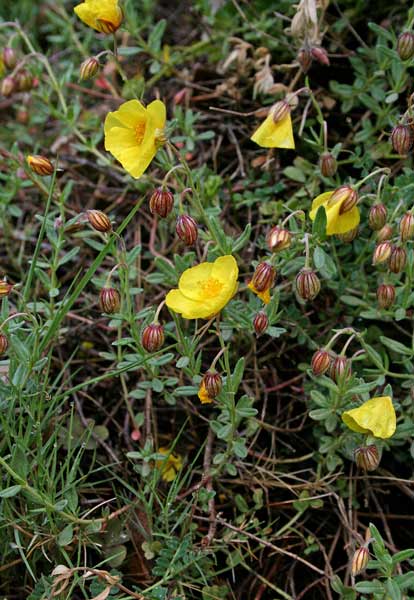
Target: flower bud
{"points": [[24, 81], [153, 337], [260, 323], [89, 68], [304, 58], [22, 116], [397, 260], [9, 58], [263, 277], [327, 164], [402, 139], [367, 457], [349, 236], [187, 229], [4, 343], [340, 369], [360, 561], [40, 165], [347, 196], [321, 361], [280, 110], [212, 382], [5, 288], [405, 45], [407, 227], [385, 233], [382, 252], [321, 55], [377, 216], [161, 202], [109, 300], [385, 296], [307, 284], [278, 239], [8, 86], [99, 221]]}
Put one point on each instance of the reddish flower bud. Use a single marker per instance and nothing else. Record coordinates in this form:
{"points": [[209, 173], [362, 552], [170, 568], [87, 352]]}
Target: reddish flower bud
{"points": [[397, 260], [347, 196], [40, 165], [4, 343], [278, 239], [89, 68], [5, 288], [304, 59], [349, 236], [360, 561], [9, 58], [367, 457], [307, 284], [377, 216], [385, 296], [24, 81], [327, 164], [321, 55], [385, 233], [405, 45], [382, 252], [109, 300], [402, 139], [260, 323], [187, 229], [153, 337], [212, 383], [407, 227], [99, 221], [22, 116], [263, 277], [340, 369], [280, 110], [8, 86], [161, 202], [321, 361]]}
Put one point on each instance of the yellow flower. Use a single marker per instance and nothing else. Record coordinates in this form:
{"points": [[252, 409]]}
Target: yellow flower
{"points": [[205, 289], [203, 395], [264, 296], [336, 223], [375, 416], [133, 134], [275, 135], [170, 465], [104, 16]]}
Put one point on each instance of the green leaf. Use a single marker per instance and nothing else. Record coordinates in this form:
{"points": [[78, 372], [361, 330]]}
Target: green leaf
{"points": [[295, 174], [319, 224], [10, 491], [370, 587], [65, 536], [396, 346]]}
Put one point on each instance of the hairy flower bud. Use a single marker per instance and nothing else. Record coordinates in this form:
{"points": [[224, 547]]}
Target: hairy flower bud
{"points": [[8, 86], [321, 361], [328, 164], [307, 284], [263, 277], [349, 236], [9, 58], [99, 221], [405, 45], [280, 110], [109, 300], [402, 139], [4, 343], [385, 295], [161, 202], [367, 457], [397, 260], [340, 369], [359, 560], [348, 197], [187, 229], [152, 338], [24, 81], [89, 68], [407, 227], [377, 216], [278, 239], [40, 165], [304, 58], [382, 252], [321, 55], [260, 323], [385, 233], [212, 383], [5, 288]]}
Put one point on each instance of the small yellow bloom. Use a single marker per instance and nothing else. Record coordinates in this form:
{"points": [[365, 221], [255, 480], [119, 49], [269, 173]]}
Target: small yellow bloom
{"points": [[170, 465], [5, 288], [275, 135], [264, 296], [133, 134], [376, 417], [104, 16], [337, 223], [203, 395], [205, 289]]}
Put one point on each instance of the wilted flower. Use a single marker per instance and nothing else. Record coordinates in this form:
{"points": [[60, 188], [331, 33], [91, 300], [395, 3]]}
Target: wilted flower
{"points": [[153, 337], [276, 130], [260, 322], [342, 214], [40, 165], [405, 45], [377, 216], [375, 416], [367, 457], [360, 560], [402, 139], [385, 295], [170, 465], [187, 229], [104, 16], [307, 284], [109, 300]]}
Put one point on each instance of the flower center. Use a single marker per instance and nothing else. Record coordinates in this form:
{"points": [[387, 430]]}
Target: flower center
{"points": [[140, 131], [211, 287]]}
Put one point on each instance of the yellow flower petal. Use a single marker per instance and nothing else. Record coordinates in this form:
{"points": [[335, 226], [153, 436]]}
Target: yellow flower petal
{"points": [[376, 417], [336, 223], [170, 465], [264, 296], [104, 16], [203, 396], [275, 135]]}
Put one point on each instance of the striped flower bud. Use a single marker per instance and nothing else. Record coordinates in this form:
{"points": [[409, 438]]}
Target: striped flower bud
{"points": [[385, 296], [385, 233], [407, 227], [321, 361], [263, 277], [9, 58], [40, 165], [367, 457], [377, 216], [109, 300], [405, 45], [260, 323], [321, 55], [397, 259], [213, 383], [5, 288], [187, 229], [280, 110], [328, 164], [382, 252], [347, 196], [4, 344], [402, 139], [24, 81], [340, 369], [99, 221], [278, 239], [89, 68], [153, 337], [307, 284], [161, 202], [8, 86], [349, 236], [304, 58], [359, 561]]}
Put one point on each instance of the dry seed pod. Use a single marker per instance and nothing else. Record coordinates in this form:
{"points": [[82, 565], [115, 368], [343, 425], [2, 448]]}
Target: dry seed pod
{"points": [[109, 300], [153, 337], [99, 221]]}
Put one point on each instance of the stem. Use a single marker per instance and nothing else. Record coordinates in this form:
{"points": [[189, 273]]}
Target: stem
{"points": [[296, 212], [349, 340], [213, 364], [164, 181], [347, 330], [307, 251], [383, 170], [158, 312]]}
